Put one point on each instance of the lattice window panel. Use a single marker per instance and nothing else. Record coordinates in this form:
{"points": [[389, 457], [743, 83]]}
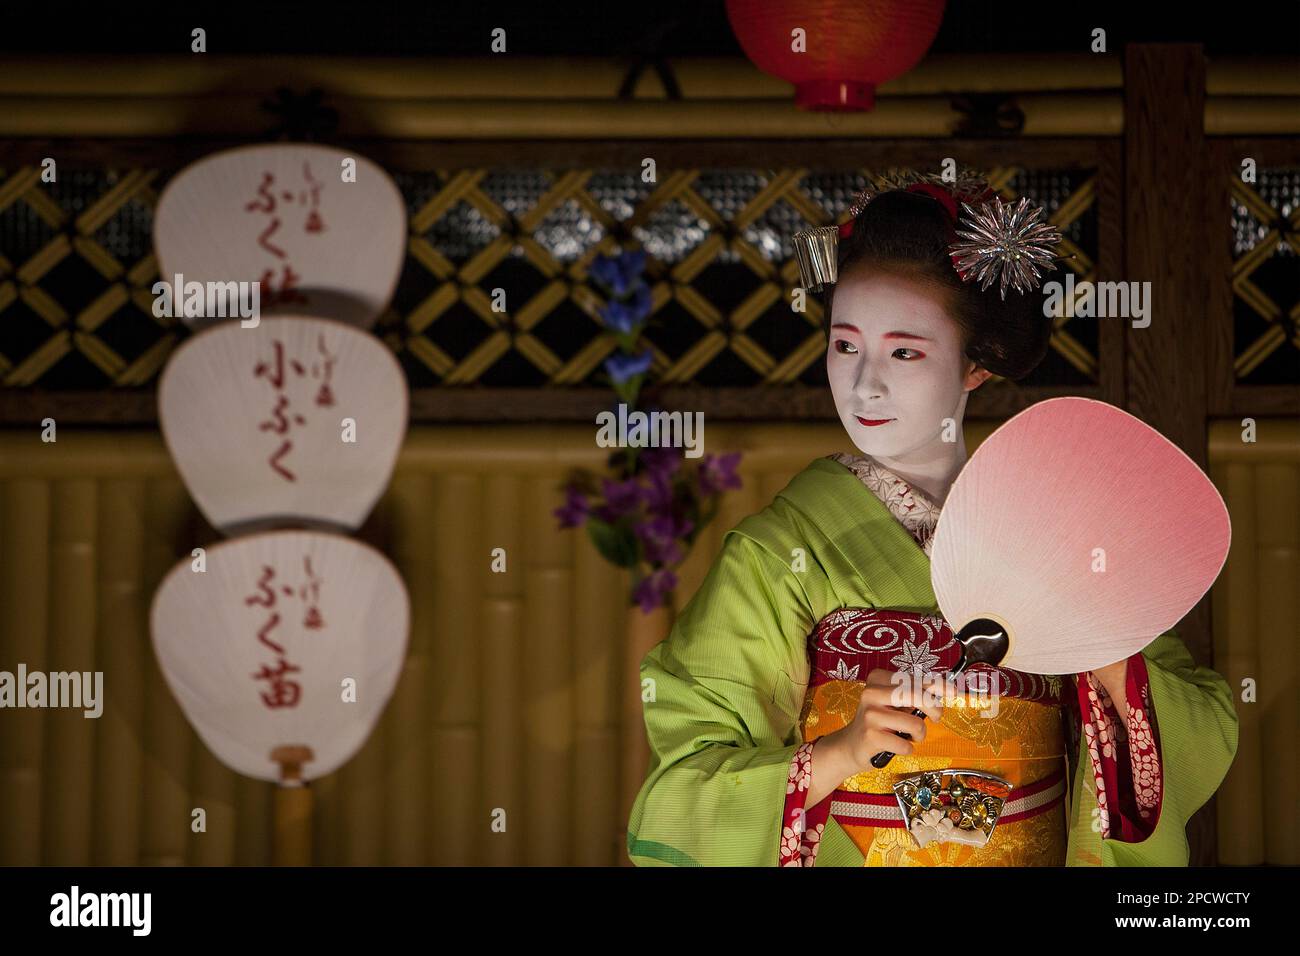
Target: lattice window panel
{"points": [[1266, 277], [76, 266]]}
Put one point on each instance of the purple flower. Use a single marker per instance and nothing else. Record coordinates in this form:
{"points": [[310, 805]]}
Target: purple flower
{"points": [[719, 473], [657, 492], [655, 589], [621, 498], [623, 367], [575, 509], [661, 461], [619, 273], [661, 536]]}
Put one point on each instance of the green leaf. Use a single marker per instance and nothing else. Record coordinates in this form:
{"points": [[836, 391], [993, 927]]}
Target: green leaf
{"points": [[626, 391], [616, 544]]}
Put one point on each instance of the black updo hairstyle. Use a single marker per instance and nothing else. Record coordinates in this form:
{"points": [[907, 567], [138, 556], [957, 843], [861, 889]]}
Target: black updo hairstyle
{"points": [[909, 234]]}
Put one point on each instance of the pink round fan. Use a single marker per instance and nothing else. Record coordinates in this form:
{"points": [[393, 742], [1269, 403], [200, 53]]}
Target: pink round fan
{"points": [[1081, 530], [1074, 536]]}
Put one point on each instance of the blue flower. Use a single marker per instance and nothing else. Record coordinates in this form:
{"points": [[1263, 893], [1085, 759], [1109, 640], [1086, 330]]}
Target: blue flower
{"points": [[641, 301], [619, 273], [620, 317], [623, 367]]}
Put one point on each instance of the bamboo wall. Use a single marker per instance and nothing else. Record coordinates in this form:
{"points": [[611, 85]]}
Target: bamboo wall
{"points": [[509, 698], [1256, 608]]}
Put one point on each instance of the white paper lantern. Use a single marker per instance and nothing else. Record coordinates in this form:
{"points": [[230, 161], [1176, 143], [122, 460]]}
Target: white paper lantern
{"points": [[297, 420], [285, 216], [289, 639]]}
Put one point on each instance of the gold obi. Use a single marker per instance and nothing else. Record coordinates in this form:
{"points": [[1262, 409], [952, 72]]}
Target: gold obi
{"points": [[1023, 744]]}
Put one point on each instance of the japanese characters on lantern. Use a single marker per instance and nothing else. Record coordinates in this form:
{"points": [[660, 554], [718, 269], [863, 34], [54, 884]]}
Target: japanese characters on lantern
{"points": [[281, 690], [268, 203], [282, 419]]}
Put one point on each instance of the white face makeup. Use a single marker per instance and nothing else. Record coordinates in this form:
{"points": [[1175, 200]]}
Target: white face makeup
{"points": [[896, 367]]}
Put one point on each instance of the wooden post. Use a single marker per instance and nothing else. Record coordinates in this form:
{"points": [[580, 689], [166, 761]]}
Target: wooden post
{"points": [[293, 804], [1166, 235]]}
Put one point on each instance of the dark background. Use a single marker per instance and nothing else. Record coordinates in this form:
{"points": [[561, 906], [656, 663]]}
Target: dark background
{"points": [[604, 28]]}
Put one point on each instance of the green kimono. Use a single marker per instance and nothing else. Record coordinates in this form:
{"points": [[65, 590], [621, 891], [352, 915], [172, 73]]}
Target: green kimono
{"points": [[728, 684]]}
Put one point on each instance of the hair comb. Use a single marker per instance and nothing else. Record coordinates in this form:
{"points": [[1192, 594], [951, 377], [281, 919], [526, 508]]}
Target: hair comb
{"points": [[993, 240]]}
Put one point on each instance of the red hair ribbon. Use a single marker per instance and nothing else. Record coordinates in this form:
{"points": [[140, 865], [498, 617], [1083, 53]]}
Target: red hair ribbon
{"points": [[943, 198]]}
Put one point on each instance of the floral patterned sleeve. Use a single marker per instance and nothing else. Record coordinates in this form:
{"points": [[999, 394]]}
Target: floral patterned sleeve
{"points": [[801, 827], [1126, 764]]}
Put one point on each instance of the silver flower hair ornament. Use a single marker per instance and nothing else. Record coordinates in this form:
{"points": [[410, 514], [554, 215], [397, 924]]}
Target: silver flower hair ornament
{"points": [[996, 240], [1004, 242], [816, 249]]}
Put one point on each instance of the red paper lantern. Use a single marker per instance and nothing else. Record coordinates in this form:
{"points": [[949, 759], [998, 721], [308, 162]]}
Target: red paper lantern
{"points": [[849, 46]]}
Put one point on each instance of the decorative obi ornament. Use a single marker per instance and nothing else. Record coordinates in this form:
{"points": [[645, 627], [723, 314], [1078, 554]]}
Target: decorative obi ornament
{"points": [[952, 806]]}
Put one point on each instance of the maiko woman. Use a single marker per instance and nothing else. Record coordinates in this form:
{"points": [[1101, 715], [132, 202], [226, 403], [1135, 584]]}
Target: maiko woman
{"points": [[779, 681]]}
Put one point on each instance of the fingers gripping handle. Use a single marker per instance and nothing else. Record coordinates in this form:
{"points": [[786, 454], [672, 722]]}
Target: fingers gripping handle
{"points": [[880, 760], [982, 641]]}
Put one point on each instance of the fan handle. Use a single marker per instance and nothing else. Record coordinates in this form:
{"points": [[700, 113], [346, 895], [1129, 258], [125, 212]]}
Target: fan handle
{"points": [[982, 642]]}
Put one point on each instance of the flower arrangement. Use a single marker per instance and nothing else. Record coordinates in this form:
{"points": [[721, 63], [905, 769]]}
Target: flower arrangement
{"points": [[645, 516]]}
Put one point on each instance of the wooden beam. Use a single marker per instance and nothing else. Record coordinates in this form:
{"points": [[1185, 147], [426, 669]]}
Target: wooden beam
{"points": [[1045, 114], [1220, 377], [713, 152], [1166, 233], [21, 408], [1110, 267], [539, 77]]}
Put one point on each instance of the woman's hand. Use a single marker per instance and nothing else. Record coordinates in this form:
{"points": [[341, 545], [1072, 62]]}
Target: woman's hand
{"points": [[1114, 678], [1112, 675], [884, 711]]}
